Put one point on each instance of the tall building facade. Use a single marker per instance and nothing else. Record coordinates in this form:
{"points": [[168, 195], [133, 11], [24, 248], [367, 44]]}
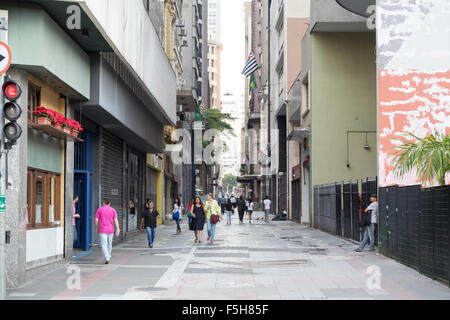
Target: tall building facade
{"points": [[88, 75]]}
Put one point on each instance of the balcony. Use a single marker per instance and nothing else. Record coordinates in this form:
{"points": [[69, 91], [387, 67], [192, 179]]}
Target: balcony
{"points": [[358, 7], [280, 19], [331, 16]]}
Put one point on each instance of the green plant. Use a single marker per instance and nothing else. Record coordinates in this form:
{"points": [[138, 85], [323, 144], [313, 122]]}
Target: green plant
{"points": [[430, 157]]}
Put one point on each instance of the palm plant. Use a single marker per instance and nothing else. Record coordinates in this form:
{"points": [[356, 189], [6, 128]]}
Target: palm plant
{"points": [[430, 157]]}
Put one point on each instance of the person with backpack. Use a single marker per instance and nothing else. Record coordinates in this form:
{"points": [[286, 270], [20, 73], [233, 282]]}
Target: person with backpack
{"points": [[213, 216], [369, 219], [149, 222], [241, 209], [228, 209]]}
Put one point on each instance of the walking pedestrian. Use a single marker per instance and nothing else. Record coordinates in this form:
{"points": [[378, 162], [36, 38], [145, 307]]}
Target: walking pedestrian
{"points": [[267, 204], [149, 222], [189, 210], [241, 209], [75, 215], [250, 210], [229, 210], [198, 219], [369, 233], [105, 220], [177, 213], [212, 208]]}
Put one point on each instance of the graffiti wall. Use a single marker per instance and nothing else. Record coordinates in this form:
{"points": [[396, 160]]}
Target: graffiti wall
{"points": [[413, 59]]}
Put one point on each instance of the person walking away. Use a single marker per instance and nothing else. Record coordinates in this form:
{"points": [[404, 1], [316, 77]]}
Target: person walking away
{"points": [[198, 220], [211, 207], [105, 220], [75, 215], [267, 204], [149, 221], [229, 210], [177, 214], [241, 209], [250, 210], [369, 233]]}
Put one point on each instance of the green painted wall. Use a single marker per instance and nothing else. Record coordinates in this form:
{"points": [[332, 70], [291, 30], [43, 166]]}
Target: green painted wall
{"points": [[44, 152], [36, 40], [343, 97]]}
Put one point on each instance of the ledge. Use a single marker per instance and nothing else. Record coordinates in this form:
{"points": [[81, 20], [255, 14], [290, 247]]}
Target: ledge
{"points": [[54, 132]]}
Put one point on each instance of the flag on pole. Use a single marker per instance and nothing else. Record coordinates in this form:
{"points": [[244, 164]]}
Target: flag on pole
{"points": [[251, 65], [252, 85], [199, 111]]}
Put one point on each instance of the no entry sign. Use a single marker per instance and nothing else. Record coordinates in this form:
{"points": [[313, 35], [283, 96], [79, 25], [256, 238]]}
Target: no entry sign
{"points": [[5, 57]]}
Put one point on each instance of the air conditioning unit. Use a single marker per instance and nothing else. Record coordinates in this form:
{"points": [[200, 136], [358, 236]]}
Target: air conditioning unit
{"points": [[184, 43], [179, 23]]}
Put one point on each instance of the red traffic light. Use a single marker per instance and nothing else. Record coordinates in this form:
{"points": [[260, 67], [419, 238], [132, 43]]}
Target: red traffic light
{"points": [[11, 90]]}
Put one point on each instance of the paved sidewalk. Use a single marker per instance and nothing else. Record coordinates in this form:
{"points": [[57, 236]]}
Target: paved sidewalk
{"points": [[279, 260]]}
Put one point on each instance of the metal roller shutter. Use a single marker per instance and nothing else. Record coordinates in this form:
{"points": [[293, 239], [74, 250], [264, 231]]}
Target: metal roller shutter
{"points": [[111, 174]]}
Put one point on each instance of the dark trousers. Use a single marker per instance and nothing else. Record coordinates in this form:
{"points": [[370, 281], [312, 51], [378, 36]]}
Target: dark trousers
{"points": [[241, 215], [178, 224]]}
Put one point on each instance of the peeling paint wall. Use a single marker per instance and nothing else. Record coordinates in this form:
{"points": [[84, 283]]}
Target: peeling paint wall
{"points": [[413, 61]]}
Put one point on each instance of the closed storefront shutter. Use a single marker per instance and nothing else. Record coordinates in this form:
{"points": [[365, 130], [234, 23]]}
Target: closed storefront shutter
{"points": [[111, 174]]}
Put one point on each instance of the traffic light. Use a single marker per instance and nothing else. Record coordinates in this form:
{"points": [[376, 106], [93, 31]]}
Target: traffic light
{"points": [[11, 110]]}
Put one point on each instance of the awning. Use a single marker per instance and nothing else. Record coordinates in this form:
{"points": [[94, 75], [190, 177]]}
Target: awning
{"points": [[298, 134]]}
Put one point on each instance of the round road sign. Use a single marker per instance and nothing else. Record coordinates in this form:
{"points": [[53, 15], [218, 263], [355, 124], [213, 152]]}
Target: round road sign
{"points": [[5, 57]]}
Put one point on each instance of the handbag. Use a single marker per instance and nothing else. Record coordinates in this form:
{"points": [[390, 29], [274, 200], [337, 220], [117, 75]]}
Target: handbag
{"points": [[176, 215], [214, 218]]}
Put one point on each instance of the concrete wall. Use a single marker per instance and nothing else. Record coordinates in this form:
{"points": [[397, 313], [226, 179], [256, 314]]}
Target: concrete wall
{"points": [[128, 29], [36, 40], [343, 89]]}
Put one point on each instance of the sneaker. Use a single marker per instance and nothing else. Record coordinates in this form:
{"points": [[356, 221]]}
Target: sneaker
{"points": [[212, 241], [106, 262], [359, 250], [207, 239], [372, 249], [150, 246]]}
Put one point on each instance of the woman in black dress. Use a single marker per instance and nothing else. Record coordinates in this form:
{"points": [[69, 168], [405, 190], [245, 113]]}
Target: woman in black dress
{"points": [[198, 221]]}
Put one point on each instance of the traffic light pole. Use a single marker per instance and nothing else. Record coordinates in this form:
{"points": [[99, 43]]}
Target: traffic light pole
{"points": [[3, 38]]}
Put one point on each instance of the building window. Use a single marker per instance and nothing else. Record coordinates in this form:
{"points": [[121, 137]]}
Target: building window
{"points": [[44, 199], [34, 100]]}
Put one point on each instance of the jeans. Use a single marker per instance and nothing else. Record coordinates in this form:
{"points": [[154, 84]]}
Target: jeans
{"points": [[178, 224], [228, 213], [106, 243], [369, 233], [211, 229], [150, 234], [189, 221]]}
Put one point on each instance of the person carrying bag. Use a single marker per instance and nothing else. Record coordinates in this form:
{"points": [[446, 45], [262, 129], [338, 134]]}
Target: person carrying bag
{"points": [[213, 215]]}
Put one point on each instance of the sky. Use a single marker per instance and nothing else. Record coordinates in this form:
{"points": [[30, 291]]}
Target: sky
{"points": [[233, 41]]}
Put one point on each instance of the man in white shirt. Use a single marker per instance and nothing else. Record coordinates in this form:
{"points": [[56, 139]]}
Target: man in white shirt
{"points": [[267, 204], [370, 230]]}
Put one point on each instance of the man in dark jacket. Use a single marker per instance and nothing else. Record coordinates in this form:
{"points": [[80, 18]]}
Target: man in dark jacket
{"points": [[149, 218], [241, 208]]}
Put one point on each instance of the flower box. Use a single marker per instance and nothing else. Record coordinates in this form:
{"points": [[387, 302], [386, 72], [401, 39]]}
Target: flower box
{"points": [[44, 121], [74, 133]]}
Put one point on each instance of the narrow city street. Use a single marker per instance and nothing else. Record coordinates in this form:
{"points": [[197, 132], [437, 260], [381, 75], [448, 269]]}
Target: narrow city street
{"points": [[279, 260]]}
